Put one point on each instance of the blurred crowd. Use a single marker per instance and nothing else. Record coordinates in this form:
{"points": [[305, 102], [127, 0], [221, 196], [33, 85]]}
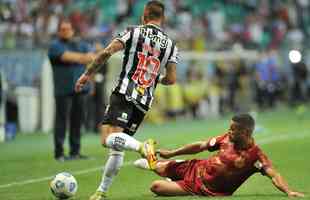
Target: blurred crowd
{"points": [[196, 24], [214, 89], [204, 88]]}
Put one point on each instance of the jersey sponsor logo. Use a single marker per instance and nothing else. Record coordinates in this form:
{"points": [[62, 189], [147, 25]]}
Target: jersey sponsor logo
{"points": [[123, 118], [154, 37]]}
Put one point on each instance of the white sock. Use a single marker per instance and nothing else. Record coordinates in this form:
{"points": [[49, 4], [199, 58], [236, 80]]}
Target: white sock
{"points": [[112, 166], [142, 164], [122, 141]]}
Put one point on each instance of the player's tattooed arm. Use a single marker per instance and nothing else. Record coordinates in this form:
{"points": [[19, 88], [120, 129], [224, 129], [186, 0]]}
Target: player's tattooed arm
{"points": [[103, 56], [95, 65], [280, 183]]}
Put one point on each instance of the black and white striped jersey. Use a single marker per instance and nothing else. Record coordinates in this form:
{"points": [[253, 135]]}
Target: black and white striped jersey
{"points": [[147, 51]]}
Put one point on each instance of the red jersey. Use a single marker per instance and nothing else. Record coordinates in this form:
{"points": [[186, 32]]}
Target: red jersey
{"points": [[222, 173]]}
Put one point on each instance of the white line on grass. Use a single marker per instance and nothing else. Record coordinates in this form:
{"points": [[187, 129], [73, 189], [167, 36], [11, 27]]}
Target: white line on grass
{"points": [[262, 141], [36, 180], [279, 137]]}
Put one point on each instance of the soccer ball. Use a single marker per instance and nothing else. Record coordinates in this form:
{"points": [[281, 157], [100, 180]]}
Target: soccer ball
{"points": [[63, 185]]}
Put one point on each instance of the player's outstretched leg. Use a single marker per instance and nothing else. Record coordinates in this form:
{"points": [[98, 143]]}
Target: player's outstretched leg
{"points": [[122, 141], [114, 138], [162, 187]]}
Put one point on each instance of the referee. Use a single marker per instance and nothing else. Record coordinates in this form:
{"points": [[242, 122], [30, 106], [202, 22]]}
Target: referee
{"points": [[68, 58]]}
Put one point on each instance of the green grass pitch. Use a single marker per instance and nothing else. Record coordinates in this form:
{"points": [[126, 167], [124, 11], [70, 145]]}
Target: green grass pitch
{"points": [[27, 164]]}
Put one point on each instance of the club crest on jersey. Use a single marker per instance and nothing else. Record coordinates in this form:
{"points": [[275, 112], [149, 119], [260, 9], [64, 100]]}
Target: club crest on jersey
{"points": [[258, 165], [239, 162]]}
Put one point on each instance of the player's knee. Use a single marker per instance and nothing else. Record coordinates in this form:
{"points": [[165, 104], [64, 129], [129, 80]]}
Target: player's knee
{"points": [[105, 139], [161, 169], [105, 132], [156, 187]]}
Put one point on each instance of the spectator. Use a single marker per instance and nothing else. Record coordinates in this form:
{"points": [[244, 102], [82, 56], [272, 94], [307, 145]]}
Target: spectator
{"points": [[68, 58], [299, 88], [267, 77], [216, 18]]}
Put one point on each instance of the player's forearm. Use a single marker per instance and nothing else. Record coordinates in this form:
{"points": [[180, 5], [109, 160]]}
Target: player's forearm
{"points": [[188, 149], [98, 62], [280, 183], [170, 76], [165, 80]]}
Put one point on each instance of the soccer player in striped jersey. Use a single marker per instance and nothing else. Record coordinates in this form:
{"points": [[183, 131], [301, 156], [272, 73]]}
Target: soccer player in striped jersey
{"points": [[147, 52]]}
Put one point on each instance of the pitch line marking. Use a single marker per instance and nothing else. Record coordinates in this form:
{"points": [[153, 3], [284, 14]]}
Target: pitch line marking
{"points": [[37, 180], [261, 141]]}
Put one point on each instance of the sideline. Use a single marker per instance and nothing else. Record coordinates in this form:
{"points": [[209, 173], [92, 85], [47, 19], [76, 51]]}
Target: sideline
{"points": [[261, 141]]}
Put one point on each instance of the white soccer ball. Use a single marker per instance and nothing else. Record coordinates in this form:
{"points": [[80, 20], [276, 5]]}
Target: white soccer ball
{"points": [[64, 185]]}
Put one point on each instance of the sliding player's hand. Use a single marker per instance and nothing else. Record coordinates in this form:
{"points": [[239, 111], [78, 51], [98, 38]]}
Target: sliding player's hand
{"points": [[84, 78], [164, 153], [295, 194]]}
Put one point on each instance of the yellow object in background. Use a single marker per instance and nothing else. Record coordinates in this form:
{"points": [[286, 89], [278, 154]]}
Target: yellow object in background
{"points": [[194, 91], [175, 97]]}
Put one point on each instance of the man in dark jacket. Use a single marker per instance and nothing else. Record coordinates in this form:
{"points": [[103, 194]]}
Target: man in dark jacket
{"points": [[68, 58]]}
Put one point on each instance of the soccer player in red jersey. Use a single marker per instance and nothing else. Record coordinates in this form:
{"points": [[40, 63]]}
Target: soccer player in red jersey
{"points": [[237, 158]]}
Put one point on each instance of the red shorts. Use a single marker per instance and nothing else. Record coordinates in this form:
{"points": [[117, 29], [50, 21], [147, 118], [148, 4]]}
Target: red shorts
{"points": [[181, 173], [185, 175], [177, 170]]}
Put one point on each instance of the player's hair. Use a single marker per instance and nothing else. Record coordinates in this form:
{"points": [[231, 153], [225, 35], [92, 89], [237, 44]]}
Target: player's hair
{"points": [[155, 10], [244, 121]]}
